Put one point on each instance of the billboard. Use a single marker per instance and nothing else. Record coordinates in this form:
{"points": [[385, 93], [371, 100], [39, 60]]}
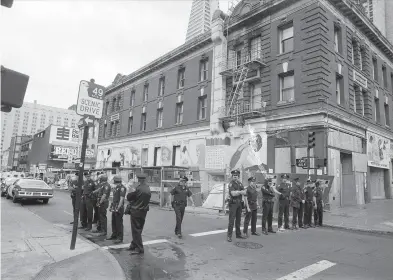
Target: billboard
{"points": [[63, 152], [378, 151], [63, 134]]}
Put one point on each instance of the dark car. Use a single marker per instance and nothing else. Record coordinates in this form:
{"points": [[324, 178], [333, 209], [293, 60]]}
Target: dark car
{"points": [[30, 189]]}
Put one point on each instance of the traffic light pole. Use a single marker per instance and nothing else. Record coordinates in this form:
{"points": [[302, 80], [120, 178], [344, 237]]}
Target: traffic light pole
{"points": [[79, 189]]}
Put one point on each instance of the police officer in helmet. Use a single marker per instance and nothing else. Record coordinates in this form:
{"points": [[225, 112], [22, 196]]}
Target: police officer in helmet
{"points": [[117, 209], [103, 204], [283, 209], [87, 202], [139, 199], [179, 194], [236, 192]]}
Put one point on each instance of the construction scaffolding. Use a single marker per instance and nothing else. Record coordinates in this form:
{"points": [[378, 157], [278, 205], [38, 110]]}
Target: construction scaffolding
{"points": [[238, 65]]}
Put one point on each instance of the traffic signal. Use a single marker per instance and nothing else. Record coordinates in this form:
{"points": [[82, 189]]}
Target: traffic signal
{"points": [[13, 89], [311, 140], [7, 3]]}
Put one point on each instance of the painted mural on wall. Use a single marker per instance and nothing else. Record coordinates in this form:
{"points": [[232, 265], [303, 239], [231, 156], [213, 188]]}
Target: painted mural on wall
{"points": [[378, 151], [166, 155], [192, 153], [127, 156]]}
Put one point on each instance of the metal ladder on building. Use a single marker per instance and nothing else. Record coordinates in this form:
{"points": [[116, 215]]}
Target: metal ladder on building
{"points": [[242, 76]]}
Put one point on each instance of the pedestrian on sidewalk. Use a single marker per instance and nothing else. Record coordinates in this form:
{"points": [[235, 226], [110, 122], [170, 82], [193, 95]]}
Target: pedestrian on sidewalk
{"points": [[117, 209], [283, 209], [318, 208], [139, 199], [104, 193], [267, 205], [251, 202], [297, 198], [308, 205], [236, 192], [87, 202], [179, 195]]}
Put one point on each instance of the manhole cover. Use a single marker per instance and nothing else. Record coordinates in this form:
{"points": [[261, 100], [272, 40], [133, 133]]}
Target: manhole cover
{"points": [[248, 245]]}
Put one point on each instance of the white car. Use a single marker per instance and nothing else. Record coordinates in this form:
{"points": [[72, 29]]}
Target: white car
{"points": [[30, 189], [9, 181]]}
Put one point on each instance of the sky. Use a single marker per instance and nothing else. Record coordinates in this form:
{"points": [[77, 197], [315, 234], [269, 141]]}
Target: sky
{"points": [[59, 43]]}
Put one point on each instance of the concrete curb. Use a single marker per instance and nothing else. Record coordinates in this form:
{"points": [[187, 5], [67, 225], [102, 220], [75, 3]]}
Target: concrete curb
{"points": [[359, 230], [111, 258]]}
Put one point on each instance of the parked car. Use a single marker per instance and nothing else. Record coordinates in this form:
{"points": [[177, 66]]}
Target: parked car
{"points": [[6, 184], [30, 189]]}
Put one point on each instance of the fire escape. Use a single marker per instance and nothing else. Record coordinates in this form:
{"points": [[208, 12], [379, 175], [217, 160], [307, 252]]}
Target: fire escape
{"points": [[238, 67]]}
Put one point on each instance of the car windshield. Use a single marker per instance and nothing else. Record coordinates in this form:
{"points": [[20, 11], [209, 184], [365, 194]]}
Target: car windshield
{"points": [[33, 183]]}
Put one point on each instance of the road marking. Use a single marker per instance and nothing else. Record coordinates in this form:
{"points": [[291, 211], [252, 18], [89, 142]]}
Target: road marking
{"points": [[68, 213], [308, 271], [121, 246], [217, 231], [388, 224]]}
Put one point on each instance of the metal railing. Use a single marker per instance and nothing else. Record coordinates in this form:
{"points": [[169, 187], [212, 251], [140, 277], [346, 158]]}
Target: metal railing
{"points": [[243, 107], [233, 63]]}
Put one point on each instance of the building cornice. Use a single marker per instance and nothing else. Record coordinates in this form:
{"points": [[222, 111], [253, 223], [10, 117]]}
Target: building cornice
{"points": [[190, 46]]}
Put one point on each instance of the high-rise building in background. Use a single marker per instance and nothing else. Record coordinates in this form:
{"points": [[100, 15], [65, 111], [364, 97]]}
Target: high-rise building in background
{"points": [[31, 118], [379, 12], [200, 17]]}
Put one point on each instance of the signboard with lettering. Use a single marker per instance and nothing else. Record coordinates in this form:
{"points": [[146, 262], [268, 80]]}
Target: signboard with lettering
{"points": [[378, 151], [63, 134], [90, 99], [62, 152]]}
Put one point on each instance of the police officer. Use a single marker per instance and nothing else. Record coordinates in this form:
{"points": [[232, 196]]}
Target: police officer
{"points": [[87, 203], [297, 204], [103, 203], [267, 205], [283, 209], [95, 200], [236, 192], [251, 201], [179, 195], [318, 207], [73, 185], [308, 204], [117, 209], [139, 199]]}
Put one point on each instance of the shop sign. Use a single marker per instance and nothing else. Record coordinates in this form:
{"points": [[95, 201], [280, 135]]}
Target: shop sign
{"points": [[62, 152], [378, 150]]}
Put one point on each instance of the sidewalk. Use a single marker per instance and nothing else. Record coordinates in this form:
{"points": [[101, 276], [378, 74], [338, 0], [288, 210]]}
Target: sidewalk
{"points": [[375, 217], [32, 248]]}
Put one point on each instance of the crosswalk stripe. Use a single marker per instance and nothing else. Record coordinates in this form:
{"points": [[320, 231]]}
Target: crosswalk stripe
{"points": [[308, 271], [218, 231]]}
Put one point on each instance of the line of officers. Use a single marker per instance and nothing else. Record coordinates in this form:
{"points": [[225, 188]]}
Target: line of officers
{"points": [[302, 199], [95, 198]]}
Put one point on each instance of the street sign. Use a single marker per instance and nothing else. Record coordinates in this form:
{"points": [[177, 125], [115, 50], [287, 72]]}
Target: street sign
{"points": [[90, 99], [86, 121], [301, 162]]}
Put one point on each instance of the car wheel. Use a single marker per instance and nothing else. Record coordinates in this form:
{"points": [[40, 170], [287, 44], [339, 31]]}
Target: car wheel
{"points": [[14, 199], [2, 194], [45, 201], [7, 196]]}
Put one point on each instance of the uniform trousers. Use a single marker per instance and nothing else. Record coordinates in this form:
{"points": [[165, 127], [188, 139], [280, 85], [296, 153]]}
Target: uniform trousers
{"points": [[267, 215], [179, 211], [235, 213], [250, 215], [117, 224], [103, 221], [137, 219], [86, 210], [318, 214], [308, 212], [297, 214], [283, 210], [96, 215]]}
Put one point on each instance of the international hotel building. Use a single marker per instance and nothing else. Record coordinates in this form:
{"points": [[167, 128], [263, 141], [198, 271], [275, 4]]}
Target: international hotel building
{"points": [[276, 70]]}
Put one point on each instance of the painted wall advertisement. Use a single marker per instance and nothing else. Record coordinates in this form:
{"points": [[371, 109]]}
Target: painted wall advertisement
{"points": [[378, 151], [63, 134]]}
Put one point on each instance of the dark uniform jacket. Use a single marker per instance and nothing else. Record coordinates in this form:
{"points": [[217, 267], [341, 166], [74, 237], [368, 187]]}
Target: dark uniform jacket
{"points": [[318, 195], [309, 193], [139, 198], [252, 196], [297, 196], [118, 192], [180, 194], [88, 187], [105, 189], [235, 186], [267, 193], [284, 190]]}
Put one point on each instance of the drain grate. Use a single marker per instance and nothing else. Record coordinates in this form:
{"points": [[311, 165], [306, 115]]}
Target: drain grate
{"points": [[248, 245]]}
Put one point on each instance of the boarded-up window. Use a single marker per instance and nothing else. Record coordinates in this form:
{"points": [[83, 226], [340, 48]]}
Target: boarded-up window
{"points": [[283, 160]]}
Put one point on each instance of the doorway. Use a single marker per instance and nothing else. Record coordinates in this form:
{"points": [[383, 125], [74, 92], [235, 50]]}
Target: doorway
{"points": [[377, 183], [348, 186]]}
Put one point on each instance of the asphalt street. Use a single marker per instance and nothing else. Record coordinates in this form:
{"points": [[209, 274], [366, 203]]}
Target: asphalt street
{"points": [[204, 253]]}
